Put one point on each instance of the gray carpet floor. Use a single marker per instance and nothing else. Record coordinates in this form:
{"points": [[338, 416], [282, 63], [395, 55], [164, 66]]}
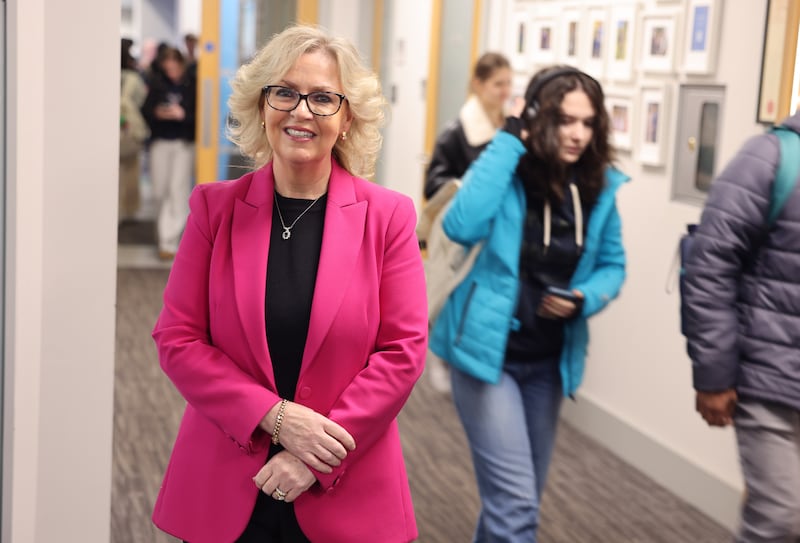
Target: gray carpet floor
{"points": [[591, 496]]}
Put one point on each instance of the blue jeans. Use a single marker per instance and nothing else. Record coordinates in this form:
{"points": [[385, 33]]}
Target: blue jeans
{"points": [[511, 428]]}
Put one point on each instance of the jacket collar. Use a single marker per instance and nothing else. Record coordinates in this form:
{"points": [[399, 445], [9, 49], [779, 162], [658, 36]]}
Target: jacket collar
{"points": [[478, 128], [345, 218]]}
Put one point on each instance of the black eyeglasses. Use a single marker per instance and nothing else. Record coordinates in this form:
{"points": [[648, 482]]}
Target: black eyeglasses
{"points": [[319, 103]]}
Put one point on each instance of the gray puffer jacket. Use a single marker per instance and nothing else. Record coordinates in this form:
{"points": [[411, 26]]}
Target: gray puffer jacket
{"points": [[743, 282]]}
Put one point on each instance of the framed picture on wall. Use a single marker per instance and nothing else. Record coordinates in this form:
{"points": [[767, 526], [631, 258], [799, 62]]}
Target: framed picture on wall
{"points": [[653, 123], [778, 92], [569, 36], [702, 29], [659, 41], [520, 40], [621, 115], [622, 28], [543, 47], [595, 58]]}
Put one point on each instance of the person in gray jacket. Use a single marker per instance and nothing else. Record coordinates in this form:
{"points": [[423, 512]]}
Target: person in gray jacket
{"points": [[742, 315]]}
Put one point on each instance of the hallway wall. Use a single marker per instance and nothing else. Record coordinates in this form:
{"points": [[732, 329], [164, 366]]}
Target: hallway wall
{"points": [[62, 153], [637, 396]]}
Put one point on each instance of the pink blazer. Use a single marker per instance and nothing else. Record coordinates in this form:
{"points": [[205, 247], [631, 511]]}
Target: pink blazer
{"points": [[365, 350]]}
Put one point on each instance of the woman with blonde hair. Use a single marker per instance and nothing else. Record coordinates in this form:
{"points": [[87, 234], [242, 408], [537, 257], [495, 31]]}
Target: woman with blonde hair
{"points": [[478, 120], [294, 320]]}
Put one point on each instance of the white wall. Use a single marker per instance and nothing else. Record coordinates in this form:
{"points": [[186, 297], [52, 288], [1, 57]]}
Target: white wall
{"points": [[637, 396], [189, 17], [405, 65], [351, 19], [61, 270]]}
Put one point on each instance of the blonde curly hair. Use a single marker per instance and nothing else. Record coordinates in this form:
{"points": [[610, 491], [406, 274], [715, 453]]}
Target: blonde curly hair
{"points": [[359, 152]]}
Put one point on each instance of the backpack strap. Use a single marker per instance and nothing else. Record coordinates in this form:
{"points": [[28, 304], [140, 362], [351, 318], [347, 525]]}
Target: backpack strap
{"points": [[788, 171]]}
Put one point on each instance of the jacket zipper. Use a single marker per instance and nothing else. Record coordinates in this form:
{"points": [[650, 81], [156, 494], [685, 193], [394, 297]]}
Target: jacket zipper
{"points": [[463, 322]]}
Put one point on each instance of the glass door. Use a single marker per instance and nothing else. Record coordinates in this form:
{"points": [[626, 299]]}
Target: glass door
{"points": [[231, 32]]}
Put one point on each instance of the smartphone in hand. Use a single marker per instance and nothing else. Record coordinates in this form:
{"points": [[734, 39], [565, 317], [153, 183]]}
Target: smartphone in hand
{"points": [[564, 293]]}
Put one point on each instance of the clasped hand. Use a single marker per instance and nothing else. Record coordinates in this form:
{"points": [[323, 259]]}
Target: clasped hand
{"points": [[310, 440], [316, 440]]}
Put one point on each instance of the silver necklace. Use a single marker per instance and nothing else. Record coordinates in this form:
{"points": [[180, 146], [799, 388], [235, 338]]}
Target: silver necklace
{"points": [[287, 230]]}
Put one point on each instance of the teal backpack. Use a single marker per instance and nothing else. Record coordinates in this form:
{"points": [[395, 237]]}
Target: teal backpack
{"points": [[782, 188]]}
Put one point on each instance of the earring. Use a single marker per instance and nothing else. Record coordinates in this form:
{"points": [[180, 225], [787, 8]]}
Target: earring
{"points": [[262, 124], [344, 135]]}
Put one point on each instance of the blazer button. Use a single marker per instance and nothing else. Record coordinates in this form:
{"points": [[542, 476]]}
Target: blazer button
{"points": [[305, 393]]}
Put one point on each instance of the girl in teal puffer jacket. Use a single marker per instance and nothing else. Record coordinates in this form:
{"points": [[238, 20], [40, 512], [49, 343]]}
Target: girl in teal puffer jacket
{"points": [[542, 199]]}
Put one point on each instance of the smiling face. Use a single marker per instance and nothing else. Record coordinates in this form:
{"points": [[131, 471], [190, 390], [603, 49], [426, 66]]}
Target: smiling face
{"points": [[300, 139], [576, 124]]}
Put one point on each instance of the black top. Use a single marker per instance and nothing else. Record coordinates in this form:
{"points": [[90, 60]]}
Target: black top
{"points": [[163, 90], [291, 275], [539, 338]]}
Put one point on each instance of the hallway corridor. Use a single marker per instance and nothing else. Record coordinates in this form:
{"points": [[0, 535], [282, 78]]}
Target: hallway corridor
{"points": [[592, 497]]}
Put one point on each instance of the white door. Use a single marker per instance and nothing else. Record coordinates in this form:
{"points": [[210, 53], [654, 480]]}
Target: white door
{"points": [[405, 70]]}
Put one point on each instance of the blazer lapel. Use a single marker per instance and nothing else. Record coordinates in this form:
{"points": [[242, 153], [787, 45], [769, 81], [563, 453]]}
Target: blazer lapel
{"points": [[341, 244], [250, 234]]}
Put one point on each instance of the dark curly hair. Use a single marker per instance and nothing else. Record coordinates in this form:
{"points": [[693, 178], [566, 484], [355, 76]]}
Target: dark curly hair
{"points": [[542, 171]]}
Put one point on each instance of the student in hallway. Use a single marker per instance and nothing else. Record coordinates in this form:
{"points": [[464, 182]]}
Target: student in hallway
{"points": [[542, 199], [742, 324], [170, 111], [480, 117], [133, 132]]}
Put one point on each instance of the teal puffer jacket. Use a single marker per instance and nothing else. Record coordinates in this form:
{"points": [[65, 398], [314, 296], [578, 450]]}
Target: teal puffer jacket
{"points": [[472, 329]]}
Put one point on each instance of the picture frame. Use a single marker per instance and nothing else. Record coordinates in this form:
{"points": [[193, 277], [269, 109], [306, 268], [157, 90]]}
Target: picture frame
{"points": [[596, 45], [621, 115], [702, 36], [622, 33], [653, 122], [777, 95], [519, 34], [659, 41], [543, 42], [570, 31]]}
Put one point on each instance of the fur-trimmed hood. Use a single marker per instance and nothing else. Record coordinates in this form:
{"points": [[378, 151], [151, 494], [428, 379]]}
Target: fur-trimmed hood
{"points": [[478, 128]]}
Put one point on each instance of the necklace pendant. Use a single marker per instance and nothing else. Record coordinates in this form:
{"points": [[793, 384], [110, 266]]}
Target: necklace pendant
{"points": [[286, 233]]}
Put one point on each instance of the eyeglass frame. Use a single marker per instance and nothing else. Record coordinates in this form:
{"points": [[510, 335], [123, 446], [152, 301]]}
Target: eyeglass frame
{"points": [[301, 97]]}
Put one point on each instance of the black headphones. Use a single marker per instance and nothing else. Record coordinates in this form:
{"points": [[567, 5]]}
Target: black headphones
{"points": [[532, 96]]}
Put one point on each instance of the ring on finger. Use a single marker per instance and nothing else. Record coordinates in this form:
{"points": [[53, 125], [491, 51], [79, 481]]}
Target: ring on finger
{"points": [[279, 494]]}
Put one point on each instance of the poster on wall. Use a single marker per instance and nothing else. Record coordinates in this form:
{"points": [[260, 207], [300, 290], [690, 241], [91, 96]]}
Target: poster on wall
{"points": [[700, 48], [772, 65], [659, 41], [654, 118], [622, 28], [569, 36], [620, 112], [595, 58], [519, 41], [543, 35]]}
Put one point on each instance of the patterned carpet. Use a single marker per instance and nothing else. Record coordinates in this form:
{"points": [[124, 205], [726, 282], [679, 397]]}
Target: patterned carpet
{"points": [[591, 497]]}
